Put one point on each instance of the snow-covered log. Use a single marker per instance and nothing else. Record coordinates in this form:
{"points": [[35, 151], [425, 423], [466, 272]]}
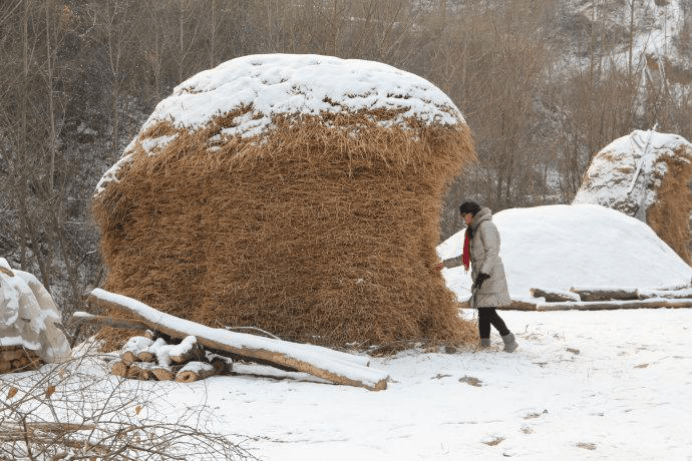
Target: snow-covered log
{"points": [[654, 293], [593, 294], [616, 304], [555, 295], [194, 371], [320, 362]]}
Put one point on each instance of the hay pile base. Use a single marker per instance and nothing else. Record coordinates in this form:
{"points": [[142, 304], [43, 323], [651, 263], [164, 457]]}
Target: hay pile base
{"points": [[18, 359], [319, 234]]}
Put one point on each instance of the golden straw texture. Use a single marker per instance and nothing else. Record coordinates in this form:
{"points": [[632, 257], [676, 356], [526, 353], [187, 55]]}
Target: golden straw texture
{"points": [[322, 231]]}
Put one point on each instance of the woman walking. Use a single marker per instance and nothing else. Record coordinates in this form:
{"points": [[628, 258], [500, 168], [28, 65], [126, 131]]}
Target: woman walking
{"points": [[489, 288]]}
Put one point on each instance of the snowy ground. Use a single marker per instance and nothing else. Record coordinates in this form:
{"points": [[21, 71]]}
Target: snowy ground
{"points": [[582, 386]]}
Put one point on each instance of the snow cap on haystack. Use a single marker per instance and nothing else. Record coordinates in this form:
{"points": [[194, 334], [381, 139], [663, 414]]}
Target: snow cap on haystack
{"points": [[646, 175], [296, 193], [28, 316]]}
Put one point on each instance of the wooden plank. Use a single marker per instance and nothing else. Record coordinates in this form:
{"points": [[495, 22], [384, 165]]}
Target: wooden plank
{"points": [[284, 353]]}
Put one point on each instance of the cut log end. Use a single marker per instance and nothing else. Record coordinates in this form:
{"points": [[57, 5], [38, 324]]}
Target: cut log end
{"points": [[119, 369], [162, 374]]}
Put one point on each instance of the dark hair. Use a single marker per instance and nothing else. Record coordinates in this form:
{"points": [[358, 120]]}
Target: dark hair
{"points": [[469, 207]]}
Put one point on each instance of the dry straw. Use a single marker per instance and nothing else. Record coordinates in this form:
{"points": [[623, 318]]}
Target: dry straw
{"points": [[322, 231], [670, 215]]}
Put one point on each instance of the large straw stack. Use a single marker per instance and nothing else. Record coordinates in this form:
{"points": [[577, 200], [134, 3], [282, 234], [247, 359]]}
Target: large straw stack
{"points": [[322, 228]]}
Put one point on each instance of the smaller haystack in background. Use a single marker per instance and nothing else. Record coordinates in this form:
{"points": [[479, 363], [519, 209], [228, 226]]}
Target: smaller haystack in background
{"points": [[296, 193], [646, 175], [28, 318]]}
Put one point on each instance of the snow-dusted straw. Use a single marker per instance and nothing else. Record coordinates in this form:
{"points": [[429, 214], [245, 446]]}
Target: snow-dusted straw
{"points": [[297, 193]]}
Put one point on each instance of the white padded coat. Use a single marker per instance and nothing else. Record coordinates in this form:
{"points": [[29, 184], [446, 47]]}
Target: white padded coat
{"points": [[484, 249]]}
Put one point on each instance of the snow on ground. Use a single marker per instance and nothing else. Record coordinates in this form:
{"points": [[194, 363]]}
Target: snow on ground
{"points": [[582, 386]]}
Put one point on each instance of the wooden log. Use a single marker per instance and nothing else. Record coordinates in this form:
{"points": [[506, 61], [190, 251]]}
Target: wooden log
{"points": [[11, 355], [5, 366], [128, 357], [80, 317], [146, 356], [161, 373], [616, 305], [193, 354], [194, 371], [221, 365], [22, 362], [519, 305], [134, 371], [588, 294], [120, 369], [552, 295], [275, 351], [654, 293]]}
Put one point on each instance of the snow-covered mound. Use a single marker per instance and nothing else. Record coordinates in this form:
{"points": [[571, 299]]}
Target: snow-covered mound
{"points": [[564, 246], [627, 174], [28, 315], [254, 89]]}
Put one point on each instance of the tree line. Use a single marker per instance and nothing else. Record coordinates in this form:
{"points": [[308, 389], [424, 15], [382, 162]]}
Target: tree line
{"points": [[539, 84]]}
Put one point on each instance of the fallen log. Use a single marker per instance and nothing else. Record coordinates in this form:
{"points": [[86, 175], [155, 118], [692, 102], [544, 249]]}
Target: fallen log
{"points": [[194, 371], [594, 294], [655, 293], [81, 317], [553, 295], [295, 355], [616, 305], [519, 305]]}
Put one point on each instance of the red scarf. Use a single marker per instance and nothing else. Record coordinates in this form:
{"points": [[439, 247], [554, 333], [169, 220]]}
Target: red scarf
{"points": [[465, 251]]}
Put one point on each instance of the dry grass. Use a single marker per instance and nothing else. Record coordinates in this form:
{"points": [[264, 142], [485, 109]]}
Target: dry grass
{"points": [[323, 232], [670, 216]]}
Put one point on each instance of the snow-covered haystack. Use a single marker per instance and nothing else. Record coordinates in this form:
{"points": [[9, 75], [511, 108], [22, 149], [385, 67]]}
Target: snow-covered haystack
{"points": [[646, 175], [28, 317], [296, 193], [564, 246]]}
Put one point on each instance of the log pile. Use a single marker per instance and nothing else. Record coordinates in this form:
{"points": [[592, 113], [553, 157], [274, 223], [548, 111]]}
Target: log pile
{"points": [[18, 359], [143, 358], [334, 366]]}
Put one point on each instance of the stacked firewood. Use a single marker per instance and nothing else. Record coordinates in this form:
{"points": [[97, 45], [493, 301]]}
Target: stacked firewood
{"points": [[143, 358], [18, 358]]}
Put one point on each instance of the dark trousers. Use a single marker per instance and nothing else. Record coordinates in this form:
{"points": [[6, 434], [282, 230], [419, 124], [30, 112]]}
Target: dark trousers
{"points": [[488, 316]]}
